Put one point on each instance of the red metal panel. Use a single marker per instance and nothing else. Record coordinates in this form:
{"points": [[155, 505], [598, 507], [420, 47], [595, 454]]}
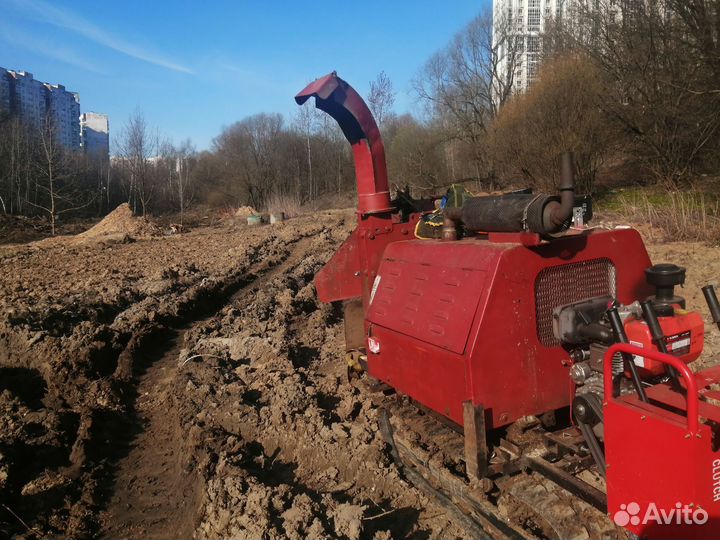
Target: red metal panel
{"points": [[663, 475], [430, 299], [704, 380], [524, 238], [662, 393], [654, 462], [708, 376], [463, 313], [502, 366], [340, 278], [351, 271], [433, 375]]}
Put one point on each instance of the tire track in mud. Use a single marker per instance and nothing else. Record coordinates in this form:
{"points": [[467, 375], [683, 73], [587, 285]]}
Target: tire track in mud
{"points": [[158, 492]]}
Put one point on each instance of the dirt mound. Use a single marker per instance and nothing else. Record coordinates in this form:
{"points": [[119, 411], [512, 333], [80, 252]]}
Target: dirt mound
{"points": [[120, 222], [119, 227], [245, 211]]}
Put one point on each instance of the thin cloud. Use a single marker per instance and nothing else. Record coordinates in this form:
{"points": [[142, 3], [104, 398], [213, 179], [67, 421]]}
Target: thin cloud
{"points": [[46, 48], [73, 22], [228, 69]]}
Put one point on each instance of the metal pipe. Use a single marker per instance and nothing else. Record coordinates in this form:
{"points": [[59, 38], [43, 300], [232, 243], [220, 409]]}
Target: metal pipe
{"points": [[712, 302], [693, 402], [556, 214], [340, 100], [451, 217], [516, 212]]}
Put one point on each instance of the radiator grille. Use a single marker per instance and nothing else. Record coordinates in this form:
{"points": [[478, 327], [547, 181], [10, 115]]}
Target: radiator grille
{"points": [[568, 283]]}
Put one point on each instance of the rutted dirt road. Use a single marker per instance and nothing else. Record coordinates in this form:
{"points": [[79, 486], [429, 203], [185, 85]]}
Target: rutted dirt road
{"points": [[190, 386], [157, 489]]}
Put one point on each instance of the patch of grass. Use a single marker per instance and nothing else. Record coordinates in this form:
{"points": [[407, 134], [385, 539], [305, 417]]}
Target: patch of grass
{"points": [[682, 215]]}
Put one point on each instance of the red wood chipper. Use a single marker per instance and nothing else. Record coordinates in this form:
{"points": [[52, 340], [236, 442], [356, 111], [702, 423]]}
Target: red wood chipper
{"points": [[542, 364]]}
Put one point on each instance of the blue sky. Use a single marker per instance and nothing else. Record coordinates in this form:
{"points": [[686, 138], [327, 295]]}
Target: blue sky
{"points": [[193, 67]]}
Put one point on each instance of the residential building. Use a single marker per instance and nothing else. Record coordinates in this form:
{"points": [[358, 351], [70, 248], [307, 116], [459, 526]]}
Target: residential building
{"points": [[28, 98], [95, 134], [35, 102], [518, 26], [63, 109], [4, 92]]}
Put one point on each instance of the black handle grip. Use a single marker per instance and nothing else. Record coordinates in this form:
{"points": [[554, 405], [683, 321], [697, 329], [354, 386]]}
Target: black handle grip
{"points": [[621, 337], [654, 325], [712, 302], [659, 338]]}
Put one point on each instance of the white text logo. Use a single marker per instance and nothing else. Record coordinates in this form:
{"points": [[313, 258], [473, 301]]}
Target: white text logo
{"points": [[680, 514]]}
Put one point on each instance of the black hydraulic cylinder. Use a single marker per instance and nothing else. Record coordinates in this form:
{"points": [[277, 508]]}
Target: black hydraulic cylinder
{"points": [[712, 302], [621, 337], [659, 338]]}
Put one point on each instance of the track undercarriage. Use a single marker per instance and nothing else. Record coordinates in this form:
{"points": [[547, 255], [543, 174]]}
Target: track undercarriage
{"points": [[540, 482]]}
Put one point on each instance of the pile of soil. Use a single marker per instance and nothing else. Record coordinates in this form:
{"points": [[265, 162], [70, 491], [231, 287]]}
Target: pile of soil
{"points": [[245, 211], [121, 222], [119, 226]]}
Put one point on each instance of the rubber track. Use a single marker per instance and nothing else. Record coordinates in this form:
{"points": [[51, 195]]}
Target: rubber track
{"points": [[529, 506]]}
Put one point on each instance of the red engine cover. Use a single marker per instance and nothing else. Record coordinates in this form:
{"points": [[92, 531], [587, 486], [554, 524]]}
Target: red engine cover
{"points": [[472, 320], [684, 336]]}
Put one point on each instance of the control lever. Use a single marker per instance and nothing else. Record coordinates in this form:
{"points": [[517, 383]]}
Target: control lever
{"points": [[659, 339], [712, 302], [621, 337]]}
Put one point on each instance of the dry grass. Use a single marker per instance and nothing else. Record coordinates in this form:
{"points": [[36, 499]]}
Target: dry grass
{"points": [[681, 215], [288, 204]]}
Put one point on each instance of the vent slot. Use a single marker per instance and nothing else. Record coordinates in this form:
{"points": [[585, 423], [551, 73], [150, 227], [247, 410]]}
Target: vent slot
{"points": [[568, 283]]}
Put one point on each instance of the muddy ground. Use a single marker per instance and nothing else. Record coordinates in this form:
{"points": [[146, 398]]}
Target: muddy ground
{"points": [[191, 386]]}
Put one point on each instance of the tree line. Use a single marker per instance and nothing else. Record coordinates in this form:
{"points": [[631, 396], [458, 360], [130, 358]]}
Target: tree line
{"points": [[630, 86]]}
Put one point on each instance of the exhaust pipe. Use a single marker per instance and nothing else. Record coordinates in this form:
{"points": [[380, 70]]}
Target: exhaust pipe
{"points": [[544, 214], [556, 214]]}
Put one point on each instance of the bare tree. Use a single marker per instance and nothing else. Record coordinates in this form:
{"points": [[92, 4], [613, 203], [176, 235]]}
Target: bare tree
{"points": [[15, 165], [306, 122], [181, 179], [560, 111], [136, 146], [381, 98], [248, 150], [662, 59], [59, 193], [415, 155], [466, 83]]}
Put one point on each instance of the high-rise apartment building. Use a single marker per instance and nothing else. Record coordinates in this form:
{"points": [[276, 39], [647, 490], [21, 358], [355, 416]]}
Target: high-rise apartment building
{"points": [[35, 102], [517, 32], [64, 111], [4, 92], [28, 99], [95, 135]]}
